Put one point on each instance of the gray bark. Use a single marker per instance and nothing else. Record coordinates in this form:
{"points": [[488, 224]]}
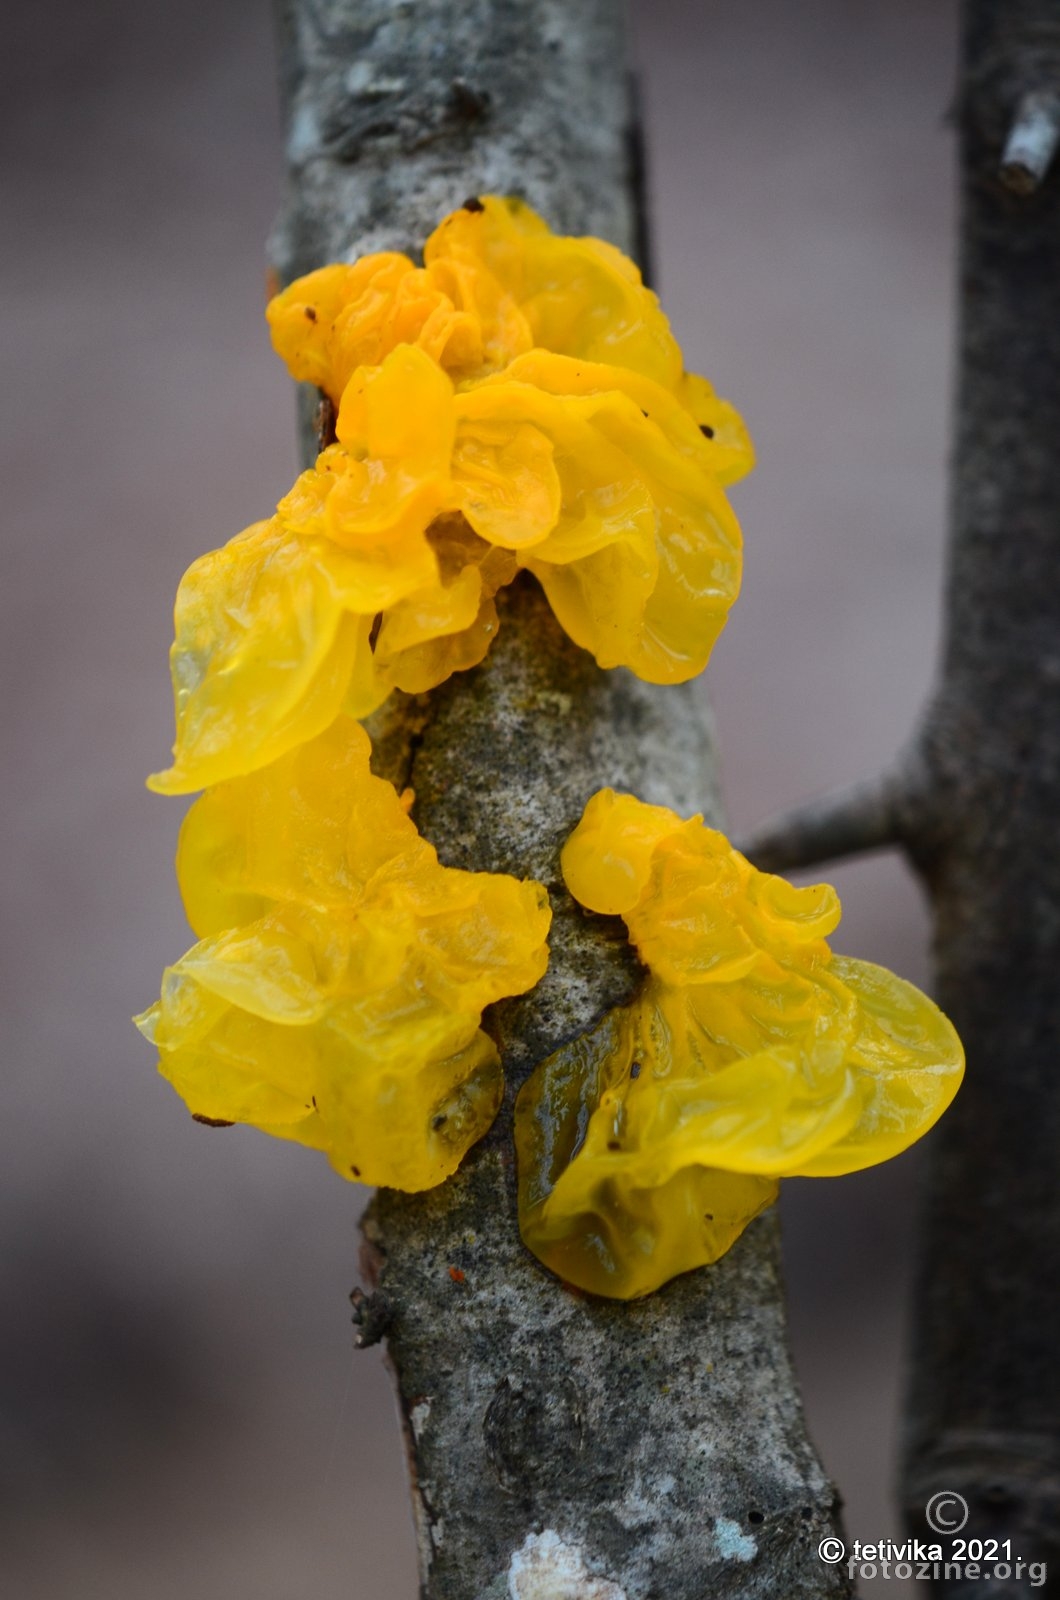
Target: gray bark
{"points": [[560, 1447], [975, 802]]}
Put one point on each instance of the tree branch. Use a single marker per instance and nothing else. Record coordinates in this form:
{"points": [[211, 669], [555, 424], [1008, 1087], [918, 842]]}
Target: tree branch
{"points": [[984, 1410], [557, 1444], [865, 816]]}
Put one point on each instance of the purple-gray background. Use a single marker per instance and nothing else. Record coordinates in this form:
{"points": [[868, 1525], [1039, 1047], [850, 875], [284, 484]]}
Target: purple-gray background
{"points": [[180, 1410]]}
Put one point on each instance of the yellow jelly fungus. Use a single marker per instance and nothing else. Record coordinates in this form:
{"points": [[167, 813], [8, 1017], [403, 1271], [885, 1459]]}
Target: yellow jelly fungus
{"points": [[496, 283], [517, 402], [751, 1053], [336, 994]]}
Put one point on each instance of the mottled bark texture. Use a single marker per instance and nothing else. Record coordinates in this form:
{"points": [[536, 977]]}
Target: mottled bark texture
{"points": [[561, 1448], [975, 802]]}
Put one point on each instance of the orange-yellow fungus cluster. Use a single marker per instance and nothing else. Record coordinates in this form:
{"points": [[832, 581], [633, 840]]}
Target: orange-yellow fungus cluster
{"points": [[336, 993], [751, 1053], [517, 402]]}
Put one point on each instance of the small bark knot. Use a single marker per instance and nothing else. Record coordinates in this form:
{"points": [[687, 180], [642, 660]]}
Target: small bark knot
{"points": [[533, 1429], [372, 1316], [467, 102]]}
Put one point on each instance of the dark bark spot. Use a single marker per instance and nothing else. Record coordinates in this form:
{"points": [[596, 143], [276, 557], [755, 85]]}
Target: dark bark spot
{"points": [[324, 422], [467, 103]]}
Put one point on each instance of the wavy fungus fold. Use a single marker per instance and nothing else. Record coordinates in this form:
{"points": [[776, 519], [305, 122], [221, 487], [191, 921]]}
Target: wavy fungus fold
{"points": [[335, 995]]}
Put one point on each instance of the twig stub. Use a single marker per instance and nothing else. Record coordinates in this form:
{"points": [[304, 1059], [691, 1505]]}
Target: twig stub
{"points": [[1032, 141]]}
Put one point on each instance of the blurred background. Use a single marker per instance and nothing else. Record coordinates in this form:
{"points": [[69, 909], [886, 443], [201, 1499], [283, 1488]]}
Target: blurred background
{"points": [[181, 1411]]}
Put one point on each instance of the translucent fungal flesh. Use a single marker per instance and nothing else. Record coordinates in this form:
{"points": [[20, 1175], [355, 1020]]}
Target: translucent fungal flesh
{"points": [[336, 992], [751, 1053], [517, 402]]}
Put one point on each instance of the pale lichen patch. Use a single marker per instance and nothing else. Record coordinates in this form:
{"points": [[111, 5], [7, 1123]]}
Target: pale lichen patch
{"points": [[418, 1416], [732, 1542], [544, 1568]]}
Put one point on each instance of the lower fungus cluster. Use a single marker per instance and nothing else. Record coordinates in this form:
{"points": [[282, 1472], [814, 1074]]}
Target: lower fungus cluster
{"points": [[336, 993], [751, 1053]]}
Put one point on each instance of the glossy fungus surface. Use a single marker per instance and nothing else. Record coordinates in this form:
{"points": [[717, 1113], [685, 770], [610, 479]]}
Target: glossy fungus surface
{"points": [[336, 992], [517, 402], [751, 1053]]}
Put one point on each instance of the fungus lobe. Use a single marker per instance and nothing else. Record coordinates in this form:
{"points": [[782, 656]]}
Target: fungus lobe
{"points": [[336, 993], [751, 1053]]}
